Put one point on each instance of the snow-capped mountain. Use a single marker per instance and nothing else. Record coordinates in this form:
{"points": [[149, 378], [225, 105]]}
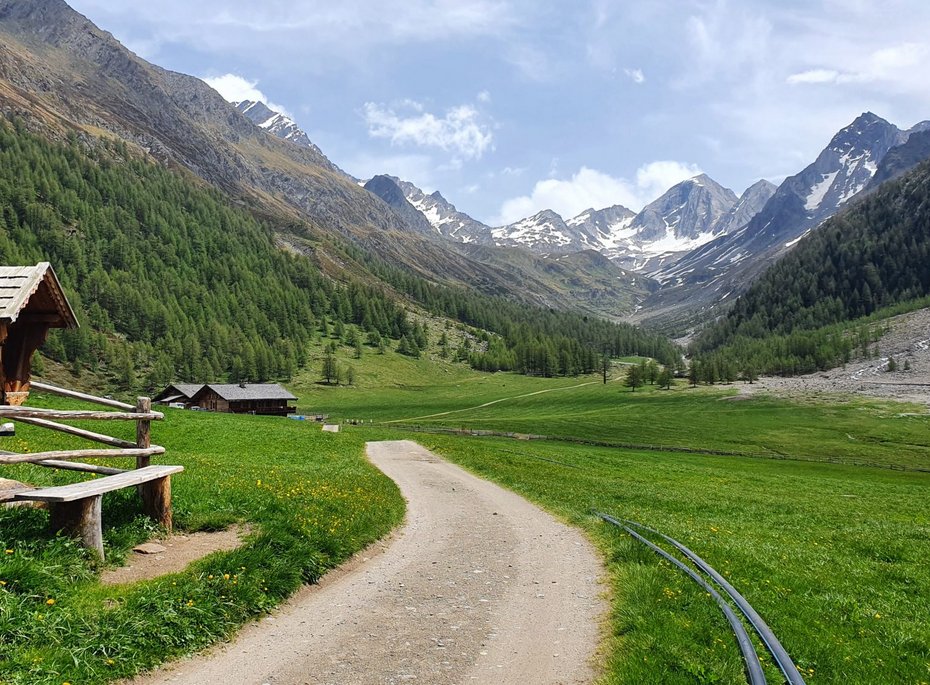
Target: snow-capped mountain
{"points": [[387, 189], [279, 125], [749, 204], [603, 224], [841, 171], [725, 266], [685, 217], [444, 217], [545, 232]]}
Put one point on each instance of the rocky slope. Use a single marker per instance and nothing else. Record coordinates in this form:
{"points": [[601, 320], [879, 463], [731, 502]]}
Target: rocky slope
{"points": [[445, 219], [282, 126]]}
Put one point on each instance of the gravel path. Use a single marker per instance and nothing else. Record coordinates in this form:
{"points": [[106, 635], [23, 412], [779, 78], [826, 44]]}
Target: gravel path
{"points": [[479, 586]]}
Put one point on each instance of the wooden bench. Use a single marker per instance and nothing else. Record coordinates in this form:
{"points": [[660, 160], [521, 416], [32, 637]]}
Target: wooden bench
{"points": [[76, 508]]}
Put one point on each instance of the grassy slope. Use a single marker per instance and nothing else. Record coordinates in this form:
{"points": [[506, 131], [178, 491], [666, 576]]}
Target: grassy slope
{"points": [[313, 501]]}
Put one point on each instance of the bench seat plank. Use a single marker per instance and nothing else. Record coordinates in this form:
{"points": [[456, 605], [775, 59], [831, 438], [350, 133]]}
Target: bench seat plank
{"points": [[76, 491]]}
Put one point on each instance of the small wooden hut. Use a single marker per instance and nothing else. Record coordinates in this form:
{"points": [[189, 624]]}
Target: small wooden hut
{"points": [[31, 302]]}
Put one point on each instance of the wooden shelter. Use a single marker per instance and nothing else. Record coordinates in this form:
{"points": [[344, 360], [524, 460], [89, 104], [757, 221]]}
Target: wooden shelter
{"points": [[31, 302], [178, 392], [256, 398]]}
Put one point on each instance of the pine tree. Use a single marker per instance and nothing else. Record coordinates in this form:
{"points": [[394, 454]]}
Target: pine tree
{"points": [[330, 370], [634, 377]]}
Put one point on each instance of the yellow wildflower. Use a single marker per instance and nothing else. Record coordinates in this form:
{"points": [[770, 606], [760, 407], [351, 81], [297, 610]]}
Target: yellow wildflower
{"points": [[50, 601]]}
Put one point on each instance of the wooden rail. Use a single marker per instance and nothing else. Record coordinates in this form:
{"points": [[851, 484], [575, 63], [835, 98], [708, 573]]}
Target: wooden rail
{"points": [[74, 394], [78, 466], [14, 458], [79, 432], [15, 413]]}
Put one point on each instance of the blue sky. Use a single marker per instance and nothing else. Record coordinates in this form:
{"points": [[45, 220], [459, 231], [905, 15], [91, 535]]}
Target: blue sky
{"points": [[512, 106]]}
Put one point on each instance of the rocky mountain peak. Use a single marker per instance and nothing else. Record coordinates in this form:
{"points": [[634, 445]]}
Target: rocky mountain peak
{"points": [[442, 215], [388, 190], [686, 210]]}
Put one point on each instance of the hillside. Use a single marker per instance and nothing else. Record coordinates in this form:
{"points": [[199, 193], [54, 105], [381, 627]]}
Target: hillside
{"points": [[874, 255], [171, 283], [63, 74]]}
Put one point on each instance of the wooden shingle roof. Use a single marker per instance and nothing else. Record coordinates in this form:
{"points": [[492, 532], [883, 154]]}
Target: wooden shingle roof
{"points": [[232, 392], [19, 286]]}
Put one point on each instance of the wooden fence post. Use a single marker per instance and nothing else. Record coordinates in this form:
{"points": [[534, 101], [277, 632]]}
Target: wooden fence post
{"points": [[143, 430]]}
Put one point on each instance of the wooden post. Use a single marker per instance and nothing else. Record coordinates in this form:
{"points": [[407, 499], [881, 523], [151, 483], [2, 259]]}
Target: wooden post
{"points": [[156, 501], [143, 430], [81, 518]]}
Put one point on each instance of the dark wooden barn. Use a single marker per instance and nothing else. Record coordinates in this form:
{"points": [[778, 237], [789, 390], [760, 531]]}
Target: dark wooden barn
{"points": [[182, 393], [31, 302], [254, 398]]}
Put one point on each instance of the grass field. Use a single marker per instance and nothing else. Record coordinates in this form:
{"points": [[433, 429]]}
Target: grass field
{"points": [[832, 555], [311, 498]]}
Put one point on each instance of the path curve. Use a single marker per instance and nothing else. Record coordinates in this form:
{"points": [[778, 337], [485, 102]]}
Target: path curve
{"points": [[479, 586]]}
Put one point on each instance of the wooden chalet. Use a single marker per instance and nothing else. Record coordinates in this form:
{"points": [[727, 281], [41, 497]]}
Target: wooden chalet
{"points": [[178, 393], [31, 302], [253, 398]]}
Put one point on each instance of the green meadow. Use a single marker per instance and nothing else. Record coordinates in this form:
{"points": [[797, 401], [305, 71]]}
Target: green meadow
{"points": [[310, 499], [771, 492], [817, 510]]}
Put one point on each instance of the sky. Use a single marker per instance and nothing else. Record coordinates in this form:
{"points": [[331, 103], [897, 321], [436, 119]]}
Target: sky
{"points": [[508, 107]]}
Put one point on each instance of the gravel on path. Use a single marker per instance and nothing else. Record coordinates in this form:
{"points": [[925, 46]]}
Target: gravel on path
{"points": [[479, 586]]}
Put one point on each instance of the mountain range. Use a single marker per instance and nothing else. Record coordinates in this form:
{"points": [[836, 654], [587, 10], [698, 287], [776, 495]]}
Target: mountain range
{"points": [[672, 264]]}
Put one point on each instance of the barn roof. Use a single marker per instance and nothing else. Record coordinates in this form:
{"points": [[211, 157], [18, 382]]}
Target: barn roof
{"points": [[18, 288], [232, 392], [177, 391]]}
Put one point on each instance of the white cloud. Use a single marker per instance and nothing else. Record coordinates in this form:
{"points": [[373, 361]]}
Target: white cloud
{"points": [[460, 130], [592, 188], [235, 88], [484, 96], [814, 76], [636, 75]]}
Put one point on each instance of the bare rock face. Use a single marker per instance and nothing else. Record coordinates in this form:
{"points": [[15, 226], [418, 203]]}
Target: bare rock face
{"points": [[64, 68]]}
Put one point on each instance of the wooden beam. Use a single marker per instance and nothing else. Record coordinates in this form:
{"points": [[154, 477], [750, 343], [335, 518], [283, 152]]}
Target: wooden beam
{"points": [[79, 432], [78, 466], [13, 458], [143, 431], [82, 519], [90, 488], [76, 415], [156, 501], [74, 394]]}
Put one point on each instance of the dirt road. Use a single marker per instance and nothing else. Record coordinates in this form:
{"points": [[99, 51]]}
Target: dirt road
{"points": [[479, 586]]}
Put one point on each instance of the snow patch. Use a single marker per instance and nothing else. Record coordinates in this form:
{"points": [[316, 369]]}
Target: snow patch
{"points": [[819, 191]]}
